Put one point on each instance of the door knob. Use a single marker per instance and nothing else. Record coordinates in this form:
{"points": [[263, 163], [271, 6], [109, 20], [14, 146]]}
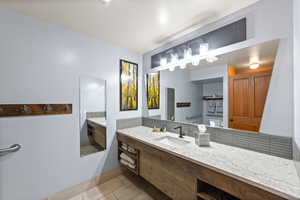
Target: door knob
{"points": [[11, 149]]}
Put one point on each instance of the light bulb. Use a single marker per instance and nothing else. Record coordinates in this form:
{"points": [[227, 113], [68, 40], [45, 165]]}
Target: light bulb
{"points": [[203, 49], [188, 53], [163, 61], [174, 58], [172, 68], [196, 61]]}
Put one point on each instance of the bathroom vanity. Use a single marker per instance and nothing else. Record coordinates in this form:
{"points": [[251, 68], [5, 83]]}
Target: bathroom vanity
{"points": [[184, 171], [97, 131]]}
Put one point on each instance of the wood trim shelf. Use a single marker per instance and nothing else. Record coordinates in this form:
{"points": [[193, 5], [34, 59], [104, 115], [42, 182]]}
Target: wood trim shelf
{"points": [[13, 110]]}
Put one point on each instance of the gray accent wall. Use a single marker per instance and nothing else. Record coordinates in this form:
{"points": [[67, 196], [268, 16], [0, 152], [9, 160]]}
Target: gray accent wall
{"points": [[296, 157], [128, 123], [95, 114], [259, 142]]}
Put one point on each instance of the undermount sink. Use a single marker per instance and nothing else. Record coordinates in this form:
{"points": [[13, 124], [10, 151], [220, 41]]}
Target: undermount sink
{"points": [[172, 141]]}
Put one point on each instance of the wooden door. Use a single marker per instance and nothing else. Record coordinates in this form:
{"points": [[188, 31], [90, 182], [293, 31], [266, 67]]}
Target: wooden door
{"points": [[240, 103], [247, 96], [261, 82]]}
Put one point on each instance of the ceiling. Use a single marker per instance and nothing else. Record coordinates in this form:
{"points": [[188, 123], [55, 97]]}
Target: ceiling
{"points": [[139, 25]]}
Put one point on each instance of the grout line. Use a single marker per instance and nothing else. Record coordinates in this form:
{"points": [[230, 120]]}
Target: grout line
{"points": [[114, 196]]}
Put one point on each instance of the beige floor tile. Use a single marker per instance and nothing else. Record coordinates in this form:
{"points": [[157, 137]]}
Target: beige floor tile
{"points": [[122, 188], [87, 149], [125, 180], [108, 197], [127, 192], [143, 196], [110, 186], [94, 193], [78, 197]]}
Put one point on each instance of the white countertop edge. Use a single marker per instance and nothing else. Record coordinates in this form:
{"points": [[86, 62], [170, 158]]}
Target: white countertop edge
{"points": [[98, 121]]}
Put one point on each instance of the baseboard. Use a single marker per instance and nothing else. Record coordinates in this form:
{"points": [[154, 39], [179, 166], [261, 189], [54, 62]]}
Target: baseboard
{"points": [[86, 185]]}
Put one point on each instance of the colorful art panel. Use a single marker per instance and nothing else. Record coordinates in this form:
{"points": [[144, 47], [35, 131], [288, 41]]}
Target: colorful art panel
{"points": [[128, 85], [153, 90]]}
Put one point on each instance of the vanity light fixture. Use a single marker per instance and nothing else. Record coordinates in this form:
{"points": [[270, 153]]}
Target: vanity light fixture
{"points": [[254, 65], [188, 58]]}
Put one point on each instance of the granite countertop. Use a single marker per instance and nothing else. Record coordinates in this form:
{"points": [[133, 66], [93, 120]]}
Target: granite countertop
{"points": [[98, 120], [274, 174]]}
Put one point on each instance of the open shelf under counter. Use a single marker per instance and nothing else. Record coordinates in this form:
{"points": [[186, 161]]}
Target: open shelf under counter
{"points": [[133, 156], [206, 191]]}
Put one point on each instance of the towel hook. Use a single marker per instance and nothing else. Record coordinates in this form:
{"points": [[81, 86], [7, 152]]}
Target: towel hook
{"points": [[67, 107], [47, 107], [24, 109]]}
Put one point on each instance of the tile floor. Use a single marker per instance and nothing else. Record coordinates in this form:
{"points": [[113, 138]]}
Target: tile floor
{"points": [[123, 187], [87, 149]]}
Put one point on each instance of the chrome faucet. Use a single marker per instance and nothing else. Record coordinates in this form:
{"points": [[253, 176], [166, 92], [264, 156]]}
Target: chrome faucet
{"points": [[181, 134]]}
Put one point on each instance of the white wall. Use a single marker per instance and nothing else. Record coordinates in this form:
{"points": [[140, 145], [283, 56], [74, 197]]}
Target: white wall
{"points": [[41, 63], [297, 71], [297, 83], [277, 118], [263, 22]]}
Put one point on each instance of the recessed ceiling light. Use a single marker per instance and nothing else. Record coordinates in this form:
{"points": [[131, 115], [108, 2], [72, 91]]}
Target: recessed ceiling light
{"points": [[163, 18], [254, 66], [105, 2]]}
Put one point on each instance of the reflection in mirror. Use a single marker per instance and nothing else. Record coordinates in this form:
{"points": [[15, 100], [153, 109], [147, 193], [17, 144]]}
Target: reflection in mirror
{"points": [[229, 93], [92, 115], [170, 101], [211, 103]]}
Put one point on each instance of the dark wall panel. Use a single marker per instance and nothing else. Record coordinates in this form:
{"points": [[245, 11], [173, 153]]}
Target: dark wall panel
{"points": [[224, 36]]}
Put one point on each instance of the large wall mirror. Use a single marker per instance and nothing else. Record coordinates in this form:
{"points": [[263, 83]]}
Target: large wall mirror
{"points": [[231, 92], [92, 115]]}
